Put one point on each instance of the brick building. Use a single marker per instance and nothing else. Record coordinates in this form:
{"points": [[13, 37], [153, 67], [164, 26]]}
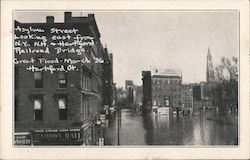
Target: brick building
{"points": [[62, 99], [187, 98], [162, 88], [166, 88]]}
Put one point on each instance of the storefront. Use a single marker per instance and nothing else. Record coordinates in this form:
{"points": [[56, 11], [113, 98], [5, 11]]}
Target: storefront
{"points": [[72, 136]]}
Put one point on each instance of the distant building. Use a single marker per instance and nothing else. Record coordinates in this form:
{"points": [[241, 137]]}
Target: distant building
{"points": [[128, 83], [207, 87], [166, 87], [138, 95], [108, 87], [200, 96], [121, 97], [146, 90], [187, 98], [162, 88], [197, 101], [210, 69], [129, 86]]}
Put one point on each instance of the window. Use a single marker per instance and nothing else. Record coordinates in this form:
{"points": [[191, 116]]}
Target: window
{"points": [[62, 105], [38, 114], [154, 103], [38, 79], [158, 82], [62, 80], [167, 102]]}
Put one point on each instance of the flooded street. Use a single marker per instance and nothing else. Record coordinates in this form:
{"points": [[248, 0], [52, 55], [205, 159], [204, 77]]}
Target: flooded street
{"points": [[199, 129]]}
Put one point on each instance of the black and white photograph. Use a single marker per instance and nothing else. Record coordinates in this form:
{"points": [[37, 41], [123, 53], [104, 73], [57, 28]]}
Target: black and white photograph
{"points": [[136, 78]]}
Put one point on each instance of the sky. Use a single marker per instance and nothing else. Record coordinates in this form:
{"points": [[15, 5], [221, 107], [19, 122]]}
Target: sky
{"points": [[140, 40]]}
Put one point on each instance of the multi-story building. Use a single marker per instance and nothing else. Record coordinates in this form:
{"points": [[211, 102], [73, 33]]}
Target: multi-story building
{"points": [[108, 80], [147, 90], [166, 87], [162, 88], [121, 97], [71, 96], [197, 101], [129, 85], [137, 94], [187, 98]]}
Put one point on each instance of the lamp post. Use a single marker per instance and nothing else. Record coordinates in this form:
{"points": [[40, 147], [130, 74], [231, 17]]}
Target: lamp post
{"points": [[118, 124]]}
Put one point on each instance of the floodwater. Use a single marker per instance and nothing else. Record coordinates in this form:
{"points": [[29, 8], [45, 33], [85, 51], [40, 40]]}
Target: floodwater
{"points": [[198, 129]]}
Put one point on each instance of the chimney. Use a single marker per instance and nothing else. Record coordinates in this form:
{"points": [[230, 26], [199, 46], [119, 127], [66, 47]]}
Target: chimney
{"points": [[50, 19], [67, 17], [91, 15]]}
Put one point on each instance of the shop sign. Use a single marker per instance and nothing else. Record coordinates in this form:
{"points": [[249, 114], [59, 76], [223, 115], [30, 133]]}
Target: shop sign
{"points": [[58, 137], [22, 138]]}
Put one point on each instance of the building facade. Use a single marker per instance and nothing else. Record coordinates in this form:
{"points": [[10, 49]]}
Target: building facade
{"points": [[187, 98], [146, 90], [71, 95], [166, 88], [137, 94], [108, 84], [162, 88], [129, 86]]}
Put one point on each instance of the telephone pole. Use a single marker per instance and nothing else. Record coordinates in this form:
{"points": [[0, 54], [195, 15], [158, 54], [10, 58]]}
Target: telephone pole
{"points": [[118, 124]]}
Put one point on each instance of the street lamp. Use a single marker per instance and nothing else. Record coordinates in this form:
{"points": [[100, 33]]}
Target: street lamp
{"points": [[118, 124]]}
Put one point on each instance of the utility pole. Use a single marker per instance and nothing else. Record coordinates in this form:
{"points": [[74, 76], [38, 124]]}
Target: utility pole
{"points": [[118, 125], [172, 96]]}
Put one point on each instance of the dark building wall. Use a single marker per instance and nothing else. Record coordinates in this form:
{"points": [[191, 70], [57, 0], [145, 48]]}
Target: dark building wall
{"points": [[147, 89], [137, 95], [129, 87], [49, 94], [84, 89], [128, 83], [196, 92], [187, 96], [200, 97], [107, 79], [130, 95]]}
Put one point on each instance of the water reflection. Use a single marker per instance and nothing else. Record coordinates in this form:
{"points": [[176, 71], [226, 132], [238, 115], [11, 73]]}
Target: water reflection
{"points": [[188, 130], [166, 130]]}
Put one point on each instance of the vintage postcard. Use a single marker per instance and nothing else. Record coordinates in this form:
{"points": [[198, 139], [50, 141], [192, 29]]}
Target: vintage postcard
{"points": [[91, 80]]}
